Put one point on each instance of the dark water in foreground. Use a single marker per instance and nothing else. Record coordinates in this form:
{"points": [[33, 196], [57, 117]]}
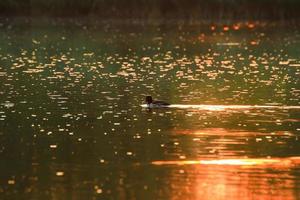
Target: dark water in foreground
{"points": [[71, 124]]}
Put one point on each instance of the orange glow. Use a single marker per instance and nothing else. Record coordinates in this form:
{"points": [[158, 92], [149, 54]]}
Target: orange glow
{"points": [[212, 28], [226, 28], [251, 25], [236, 27], [244, 179], [254, 42], [228, 132], [275, 162]]}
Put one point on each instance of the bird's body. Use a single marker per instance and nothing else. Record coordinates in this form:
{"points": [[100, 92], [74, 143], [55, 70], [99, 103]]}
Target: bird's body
{"points": [[155, 104]]}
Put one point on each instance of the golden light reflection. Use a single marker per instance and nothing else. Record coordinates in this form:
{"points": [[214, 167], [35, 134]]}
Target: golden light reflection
{"points": [[226, 28], [253, 42], [276, 162], [251, 25], [236, 26], [229, 132], [238, 178]]}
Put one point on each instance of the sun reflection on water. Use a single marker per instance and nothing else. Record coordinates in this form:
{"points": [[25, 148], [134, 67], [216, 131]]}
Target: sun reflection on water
{"points": [[275, 162], [239, 178]]}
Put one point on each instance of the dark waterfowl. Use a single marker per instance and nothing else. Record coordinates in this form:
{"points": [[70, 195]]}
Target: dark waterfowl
{"points": [[155, 104]]}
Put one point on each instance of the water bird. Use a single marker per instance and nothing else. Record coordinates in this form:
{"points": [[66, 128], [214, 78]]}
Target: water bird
{"points": [[155, 104]]}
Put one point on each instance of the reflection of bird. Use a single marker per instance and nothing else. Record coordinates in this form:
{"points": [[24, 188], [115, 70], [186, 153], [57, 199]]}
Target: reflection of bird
{"points": [[155, 104]]}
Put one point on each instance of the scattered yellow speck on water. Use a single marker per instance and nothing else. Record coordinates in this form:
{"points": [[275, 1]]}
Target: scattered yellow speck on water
{"points": [[97, 189], [60, 173], [53, 146]]}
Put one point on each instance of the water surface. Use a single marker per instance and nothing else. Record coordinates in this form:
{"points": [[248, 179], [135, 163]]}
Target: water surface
{"points": [[71, 124]]}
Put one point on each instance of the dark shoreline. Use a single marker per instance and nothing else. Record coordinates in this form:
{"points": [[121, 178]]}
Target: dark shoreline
{"points": [[98, 22], [186, 10]]}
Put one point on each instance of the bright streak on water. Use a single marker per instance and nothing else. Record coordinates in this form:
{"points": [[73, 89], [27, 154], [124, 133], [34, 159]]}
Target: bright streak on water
{"points": [[225, 107], [237, 161]]}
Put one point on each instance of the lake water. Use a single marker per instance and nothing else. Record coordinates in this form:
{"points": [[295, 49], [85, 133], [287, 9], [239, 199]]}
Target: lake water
{"points": [[72, 125]]}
